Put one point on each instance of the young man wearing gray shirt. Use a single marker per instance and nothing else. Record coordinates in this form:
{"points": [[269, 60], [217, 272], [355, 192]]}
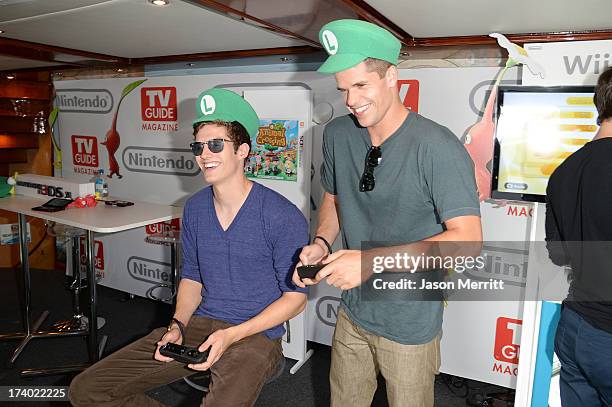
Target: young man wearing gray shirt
{"points": [[417, 183]]}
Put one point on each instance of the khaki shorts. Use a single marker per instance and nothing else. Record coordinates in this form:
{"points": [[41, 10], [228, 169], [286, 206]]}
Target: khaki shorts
{"points": [[358, 356]]}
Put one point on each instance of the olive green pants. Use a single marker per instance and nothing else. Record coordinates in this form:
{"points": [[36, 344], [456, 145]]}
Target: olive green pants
{"points": [[122, 378]]}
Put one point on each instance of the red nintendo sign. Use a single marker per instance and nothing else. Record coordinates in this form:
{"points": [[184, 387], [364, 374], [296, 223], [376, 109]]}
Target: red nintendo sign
{"points": [[507, 340], [164, 227], [98, 254], [158, 104], [85, 151], [409, 93]]}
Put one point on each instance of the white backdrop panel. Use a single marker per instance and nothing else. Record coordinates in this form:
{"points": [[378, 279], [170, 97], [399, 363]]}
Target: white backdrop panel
{"points": [[452, 97]]}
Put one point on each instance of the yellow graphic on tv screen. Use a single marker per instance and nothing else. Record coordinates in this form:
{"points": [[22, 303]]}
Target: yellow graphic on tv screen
{"points": [[536, 141], [580, 101]]}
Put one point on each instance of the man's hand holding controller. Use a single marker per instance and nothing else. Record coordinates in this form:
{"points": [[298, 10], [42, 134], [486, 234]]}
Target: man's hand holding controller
{"points": [[172, 335], [311, 255]]}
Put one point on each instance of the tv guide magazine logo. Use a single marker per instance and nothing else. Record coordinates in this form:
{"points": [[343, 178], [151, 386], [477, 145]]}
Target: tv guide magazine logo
{"points": [[158, 108], [85, 158], [507, 345]]}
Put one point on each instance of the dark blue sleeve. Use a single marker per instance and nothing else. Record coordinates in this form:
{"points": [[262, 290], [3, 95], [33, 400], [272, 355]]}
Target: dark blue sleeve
{"points": [[191, 269], [288, 234]]}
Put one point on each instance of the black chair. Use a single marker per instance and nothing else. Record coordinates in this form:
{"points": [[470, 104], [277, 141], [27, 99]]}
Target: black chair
{"points": [[201, 380]]}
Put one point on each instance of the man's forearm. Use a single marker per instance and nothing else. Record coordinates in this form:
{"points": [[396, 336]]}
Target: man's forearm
{"points": [[329, 225], [286, 307], [187, 300]]}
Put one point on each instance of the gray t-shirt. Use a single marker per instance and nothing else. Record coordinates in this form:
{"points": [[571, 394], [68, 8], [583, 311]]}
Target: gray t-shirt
{"points": [[424, 178]]}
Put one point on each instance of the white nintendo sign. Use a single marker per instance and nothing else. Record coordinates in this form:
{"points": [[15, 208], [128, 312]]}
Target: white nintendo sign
{"points": [[569, 63], [53, 187]]}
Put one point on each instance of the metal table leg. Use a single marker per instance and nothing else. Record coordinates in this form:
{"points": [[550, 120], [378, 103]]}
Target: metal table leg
{"points": [[27, 313], [93, 315], [32, 330], [174, 265]]}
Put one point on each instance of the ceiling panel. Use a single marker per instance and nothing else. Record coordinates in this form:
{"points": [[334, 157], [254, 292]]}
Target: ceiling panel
{"points": [[137, 29], [16, 9], [303, 17], [446, 18], [8, 63]]}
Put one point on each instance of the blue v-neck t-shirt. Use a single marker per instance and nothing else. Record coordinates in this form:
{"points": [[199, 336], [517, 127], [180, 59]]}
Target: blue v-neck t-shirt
{"points": [[248, 266]]}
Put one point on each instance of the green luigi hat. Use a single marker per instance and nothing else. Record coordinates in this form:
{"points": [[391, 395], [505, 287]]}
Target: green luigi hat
{"points": [[348, 42], [226, 106], [5, 188]]}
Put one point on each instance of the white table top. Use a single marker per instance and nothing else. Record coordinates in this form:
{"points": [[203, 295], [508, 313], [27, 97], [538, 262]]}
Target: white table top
{"points": [[102, 219]]}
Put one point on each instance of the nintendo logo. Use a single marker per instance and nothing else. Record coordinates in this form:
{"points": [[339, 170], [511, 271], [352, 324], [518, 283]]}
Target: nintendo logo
{"points": [[158, 104], [327, 310], [506, 264], [507, 340], [148, 270], [166, 161], [84, 100]]}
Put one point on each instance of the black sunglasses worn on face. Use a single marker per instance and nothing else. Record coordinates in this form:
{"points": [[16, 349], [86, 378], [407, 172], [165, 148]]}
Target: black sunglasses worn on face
{"points": [[368, 182], [214, 145]]}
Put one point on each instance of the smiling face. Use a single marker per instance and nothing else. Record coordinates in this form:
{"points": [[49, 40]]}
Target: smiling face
{"points": [[367, 96], [225, 165]]}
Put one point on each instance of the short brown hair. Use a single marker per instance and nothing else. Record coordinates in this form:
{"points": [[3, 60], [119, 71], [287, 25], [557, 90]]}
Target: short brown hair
{"points": [[377, 65], [235, 131], [603, 96]]}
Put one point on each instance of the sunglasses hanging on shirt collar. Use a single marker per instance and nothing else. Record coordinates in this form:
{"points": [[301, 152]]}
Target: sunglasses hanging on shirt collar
{"points": [[368, 182]]}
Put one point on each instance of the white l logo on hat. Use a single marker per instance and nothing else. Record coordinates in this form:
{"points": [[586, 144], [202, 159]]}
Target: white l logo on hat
{"points": [[330, 42], [207, 105]]}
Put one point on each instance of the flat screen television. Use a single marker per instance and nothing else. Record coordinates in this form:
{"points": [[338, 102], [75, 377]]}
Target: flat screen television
{"points": [[537, 129]]}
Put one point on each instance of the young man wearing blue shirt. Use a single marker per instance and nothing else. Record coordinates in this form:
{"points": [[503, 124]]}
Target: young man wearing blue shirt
{"points": [[241, 242]]}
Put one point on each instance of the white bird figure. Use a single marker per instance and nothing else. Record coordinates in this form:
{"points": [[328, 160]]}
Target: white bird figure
{"points": [[12, 181], [518, 55]]}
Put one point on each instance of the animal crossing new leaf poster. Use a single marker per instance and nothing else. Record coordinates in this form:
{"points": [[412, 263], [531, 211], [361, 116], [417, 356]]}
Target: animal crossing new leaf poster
{"points": [[274, 151]]}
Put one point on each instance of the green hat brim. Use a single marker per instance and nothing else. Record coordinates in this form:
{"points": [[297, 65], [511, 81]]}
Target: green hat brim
{"points": [[340, 62], [252, 129]]}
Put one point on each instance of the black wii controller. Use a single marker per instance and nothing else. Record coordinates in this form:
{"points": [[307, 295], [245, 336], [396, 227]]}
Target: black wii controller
{"points": [[309, 271], [183, 354]]}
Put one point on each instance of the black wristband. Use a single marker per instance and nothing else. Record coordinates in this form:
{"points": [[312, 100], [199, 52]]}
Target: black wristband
{"points": [[181, 328], [321, 238]]}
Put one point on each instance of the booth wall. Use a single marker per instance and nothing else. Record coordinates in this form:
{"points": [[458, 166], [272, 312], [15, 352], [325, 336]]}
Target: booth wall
{"points": [[453, 97]]}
